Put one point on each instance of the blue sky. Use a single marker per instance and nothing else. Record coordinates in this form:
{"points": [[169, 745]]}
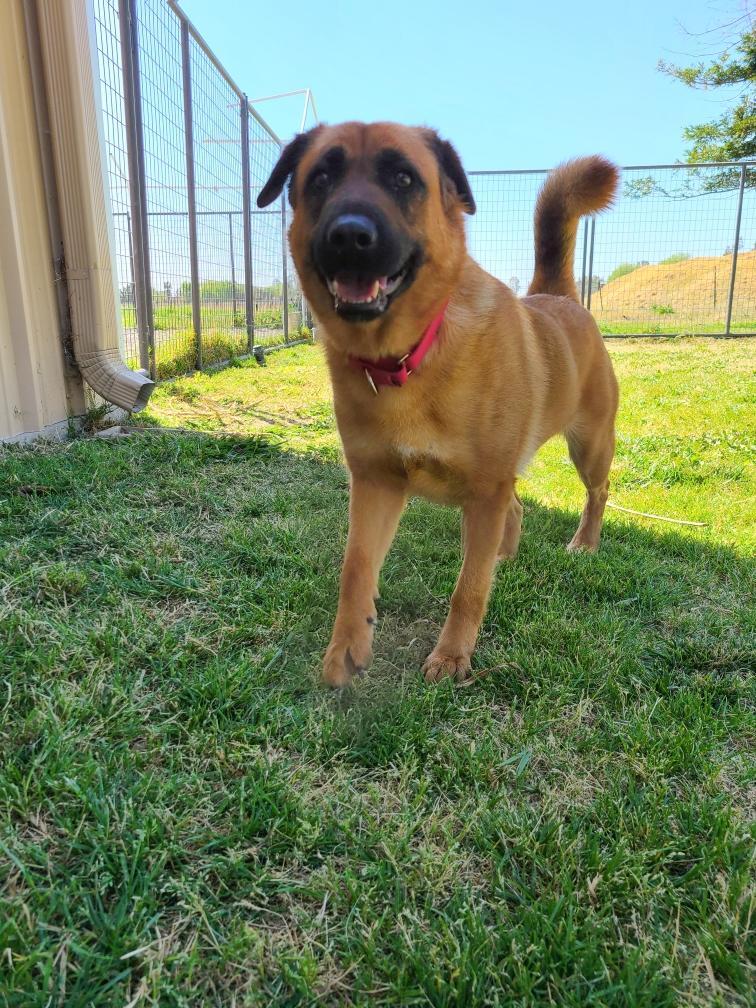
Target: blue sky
{"points": [[512, 85]]}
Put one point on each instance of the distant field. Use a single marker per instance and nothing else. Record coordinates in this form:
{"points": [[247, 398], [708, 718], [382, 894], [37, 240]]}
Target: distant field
{"points": [[683, 297], [688, 296], [219, 315]]}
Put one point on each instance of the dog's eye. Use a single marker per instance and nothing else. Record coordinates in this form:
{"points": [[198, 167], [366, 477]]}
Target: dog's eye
{"points": [[321, 180], [403, 180]]}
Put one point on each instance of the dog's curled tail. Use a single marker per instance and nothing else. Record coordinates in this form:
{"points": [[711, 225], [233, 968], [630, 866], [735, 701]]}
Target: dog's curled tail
{"points": [[583, 186]]}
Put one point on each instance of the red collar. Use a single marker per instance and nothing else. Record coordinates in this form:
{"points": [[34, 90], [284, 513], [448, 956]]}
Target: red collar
{"points": [[389, 370]]}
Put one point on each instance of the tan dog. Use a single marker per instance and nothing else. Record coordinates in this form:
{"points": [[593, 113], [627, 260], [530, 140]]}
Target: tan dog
{"points": [[378, 240]]}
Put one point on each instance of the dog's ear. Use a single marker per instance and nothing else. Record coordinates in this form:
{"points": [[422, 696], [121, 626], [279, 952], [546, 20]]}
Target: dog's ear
{"points": [[452, 170], [285, 168]]}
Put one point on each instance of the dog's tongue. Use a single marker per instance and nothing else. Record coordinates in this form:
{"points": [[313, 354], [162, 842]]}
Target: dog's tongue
{"points": [[356, 289]]}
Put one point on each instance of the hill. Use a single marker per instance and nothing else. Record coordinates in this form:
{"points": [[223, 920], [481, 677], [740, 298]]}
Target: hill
{"points": [[686, 296]]}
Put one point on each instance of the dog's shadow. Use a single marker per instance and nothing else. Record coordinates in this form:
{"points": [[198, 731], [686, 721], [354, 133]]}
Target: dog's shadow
{"points": [[657, 605]]}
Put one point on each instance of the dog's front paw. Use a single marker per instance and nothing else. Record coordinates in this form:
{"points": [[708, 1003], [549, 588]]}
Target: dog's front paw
{"points": [[581, 544], [343, 660], [441, 664]]}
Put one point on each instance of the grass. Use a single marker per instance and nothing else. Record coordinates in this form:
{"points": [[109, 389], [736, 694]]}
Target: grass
{"points": [[176, 354], [651, 325], [224, 335], [186, 819]]}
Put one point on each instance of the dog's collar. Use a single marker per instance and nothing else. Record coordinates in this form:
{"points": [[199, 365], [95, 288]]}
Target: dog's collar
{"points": [[393, 371]]}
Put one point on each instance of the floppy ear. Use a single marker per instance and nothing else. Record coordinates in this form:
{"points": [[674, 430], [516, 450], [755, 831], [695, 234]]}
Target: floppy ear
{"points": [[286, 165], [451, 166]]}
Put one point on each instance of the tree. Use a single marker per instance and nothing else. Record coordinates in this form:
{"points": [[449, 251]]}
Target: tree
{"points": [[731, 137], [218, 290], [622, 270]]}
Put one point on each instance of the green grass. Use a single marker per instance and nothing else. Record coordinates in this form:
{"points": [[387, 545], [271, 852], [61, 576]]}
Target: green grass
{"points": [[186, 819], [177, 353], [622, 270], [176, 343], [676, 328], [676, 258]]}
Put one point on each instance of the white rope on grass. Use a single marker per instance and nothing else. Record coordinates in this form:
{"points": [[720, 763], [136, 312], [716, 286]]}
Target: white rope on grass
{"points": [[647, 514]]}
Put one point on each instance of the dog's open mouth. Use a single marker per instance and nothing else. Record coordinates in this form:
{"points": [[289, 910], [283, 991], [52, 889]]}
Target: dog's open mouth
{"points": [[363, 296]]}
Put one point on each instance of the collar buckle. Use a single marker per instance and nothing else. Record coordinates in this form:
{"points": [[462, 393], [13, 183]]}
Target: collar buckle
{"points": [[394, 372]]}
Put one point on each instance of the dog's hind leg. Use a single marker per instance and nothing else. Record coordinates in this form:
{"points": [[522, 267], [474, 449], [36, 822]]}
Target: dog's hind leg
{"points": [[510, 540], [590, 439], [592, 451]]}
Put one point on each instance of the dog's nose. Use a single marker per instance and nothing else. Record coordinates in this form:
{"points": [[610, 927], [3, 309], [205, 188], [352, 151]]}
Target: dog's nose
{"points": [[352, 233]]}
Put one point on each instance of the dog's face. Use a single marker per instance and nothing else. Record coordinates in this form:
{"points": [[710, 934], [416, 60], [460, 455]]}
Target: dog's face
{"points": [[377, 214]]}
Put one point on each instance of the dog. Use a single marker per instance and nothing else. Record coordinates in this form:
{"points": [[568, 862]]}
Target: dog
{"points": [[445, 383]]}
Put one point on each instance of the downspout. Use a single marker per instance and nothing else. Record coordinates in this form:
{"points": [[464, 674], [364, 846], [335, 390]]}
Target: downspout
{"points": [[74, 388], [62, 66]]}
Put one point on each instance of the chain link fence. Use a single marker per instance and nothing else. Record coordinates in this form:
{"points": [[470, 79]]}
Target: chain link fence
{"points": [[204, 276], [675, 255]]}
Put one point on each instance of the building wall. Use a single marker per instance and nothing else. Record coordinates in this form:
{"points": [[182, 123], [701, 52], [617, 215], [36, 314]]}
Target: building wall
{"points": [[37, 390]]}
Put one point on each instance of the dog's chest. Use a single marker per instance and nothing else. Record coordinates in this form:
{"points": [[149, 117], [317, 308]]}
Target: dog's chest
{"points": [[427, 458], [414, 437], [416, 440], [416, 449]]}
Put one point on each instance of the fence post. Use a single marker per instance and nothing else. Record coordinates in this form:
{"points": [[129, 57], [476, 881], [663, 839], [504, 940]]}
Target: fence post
{"points": [[585, 253], [233, 270], [132, 94], [733, 272], [284, 269], [249, 300], [590, 263], [191, 190], [131, 262]]}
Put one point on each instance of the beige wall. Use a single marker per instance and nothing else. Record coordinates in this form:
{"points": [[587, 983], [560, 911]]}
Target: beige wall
{"points": [[37, 391]]}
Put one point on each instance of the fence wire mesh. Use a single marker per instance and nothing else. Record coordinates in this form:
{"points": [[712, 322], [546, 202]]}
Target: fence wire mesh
{"points": [[114, 130], [677, 254], [159, 67], [218, 180], [192, 198], [660, 262]]}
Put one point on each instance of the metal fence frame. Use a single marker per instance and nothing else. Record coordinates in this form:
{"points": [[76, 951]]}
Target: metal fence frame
{"points": [[139, 215]]}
